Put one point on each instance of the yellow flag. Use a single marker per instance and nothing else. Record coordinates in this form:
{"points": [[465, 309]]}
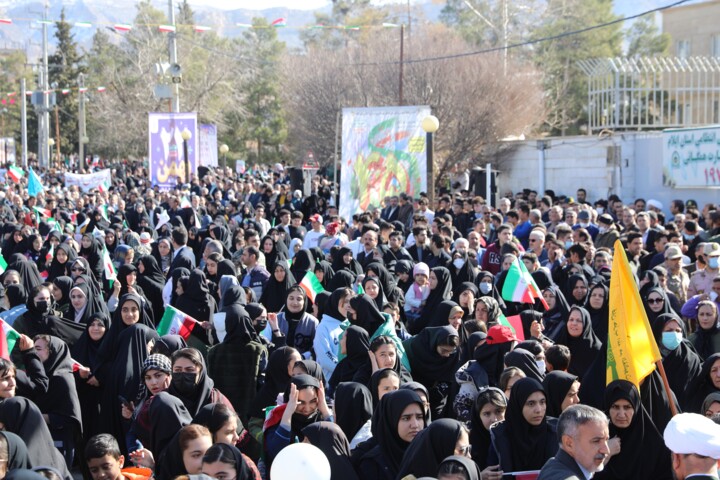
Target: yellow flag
{"points": [[631, 350]]}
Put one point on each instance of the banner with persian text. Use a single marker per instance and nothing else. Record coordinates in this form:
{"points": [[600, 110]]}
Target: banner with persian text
{"points": [[101, 179], [691, 157]]}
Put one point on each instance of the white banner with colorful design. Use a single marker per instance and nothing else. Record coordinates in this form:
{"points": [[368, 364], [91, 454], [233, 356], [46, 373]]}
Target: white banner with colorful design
{"points": [[691, 157], [383, 154]]}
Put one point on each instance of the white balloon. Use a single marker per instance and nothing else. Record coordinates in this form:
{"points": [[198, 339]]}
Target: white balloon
{"points": [[300, 461]]}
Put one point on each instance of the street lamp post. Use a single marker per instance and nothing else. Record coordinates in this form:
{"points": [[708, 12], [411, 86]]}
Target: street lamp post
{"points": [[51, 143], [186, 135], [224, 149], [430, 124]]}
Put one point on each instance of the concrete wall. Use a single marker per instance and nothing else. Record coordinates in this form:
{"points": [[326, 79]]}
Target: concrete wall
{"points": [[628, 164]]}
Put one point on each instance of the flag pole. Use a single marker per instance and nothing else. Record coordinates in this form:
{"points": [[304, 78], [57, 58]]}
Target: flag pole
{"points": [[666, 384]]}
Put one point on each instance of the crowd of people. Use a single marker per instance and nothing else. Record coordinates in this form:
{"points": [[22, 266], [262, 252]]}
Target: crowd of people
{"points": [[380, 339]]}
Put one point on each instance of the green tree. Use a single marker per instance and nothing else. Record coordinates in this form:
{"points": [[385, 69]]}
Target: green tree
{"points": [[13, 67], [260, 128], [646, 40], [64, 68], [565, 84]]}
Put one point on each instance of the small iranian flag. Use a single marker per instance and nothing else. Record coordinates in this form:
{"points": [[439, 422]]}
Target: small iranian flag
{"points": [[104, 212], [7, 341], [110, 273], [311, 285], [15, 173], [519, 285], [175, 322], [185, 203], [122, 27], [49, 255], [3, 263], [166, 28], [43, 211], [515, 324]]}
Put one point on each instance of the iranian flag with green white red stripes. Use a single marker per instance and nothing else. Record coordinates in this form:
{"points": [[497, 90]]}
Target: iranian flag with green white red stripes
{"points": [[311, 285], [8, 339], [519, 285], [15, 173], [175, 322]]}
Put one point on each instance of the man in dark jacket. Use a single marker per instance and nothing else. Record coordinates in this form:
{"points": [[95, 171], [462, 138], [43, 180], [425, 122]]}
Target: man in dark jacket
{"points": [[583, 434]]}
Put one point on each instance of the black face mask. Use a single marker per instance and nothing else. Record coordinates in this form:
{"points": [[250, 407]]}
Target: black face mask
{"points": [[43, 306], [260, 325], [184, 382]]}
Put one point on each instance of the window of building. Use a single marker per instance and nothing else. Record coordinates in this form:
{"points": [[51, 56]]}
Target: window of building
{"points": [[682, 48], [715, 46]]}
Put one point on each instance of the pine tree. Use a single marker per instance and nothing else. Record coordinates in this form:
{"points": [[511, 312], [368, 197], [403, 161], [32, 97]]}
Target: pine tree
{"points": [[64, 67]]}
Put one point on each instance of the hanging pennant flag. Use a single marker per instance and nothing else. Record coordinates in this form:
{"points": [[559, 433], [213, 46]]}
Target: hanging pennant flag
{"points": [[65, 91], [35, 186], [82, 90], [390, 25], [166, 28], [280, 22], [201, 28], [7, 340], [45, 22], [351, 27], [83, 24], [175, 322], [101, 89], [15, 173], [122, 27], [244, 25], [5, 21]]}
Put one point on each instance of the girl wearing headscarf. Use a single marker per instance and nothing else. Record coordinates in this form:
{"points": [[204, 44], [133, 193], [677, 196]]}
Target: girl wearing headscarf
{"points": [[167, 415], [16, 298], [342, 279], [430, 447], [92, 251], [277, 377], [404, 274], [331, 440], [237, 362], [704, 384], [277, 286], [373, 289], [60, 403], [465, 296], [295, 246], [353, 411], [487, 312], [399, 418], [294, 323], [152, 281], [29, 274], [223, 457], [126, 282], [17, 452], [382, 382], [270, 250], [122, 375], [169, 344], [555, 317], [706, 338], [16, 242], [643, 454], [597, 304], [303, 262], [63, 258], [440, 290], [61, 294], [389, 287], [459, 465], [162, 251], [527, 438], [682, 364], [355, 343], [561, 389], [327, 335], [579, 337], [489, 407], [197, 302], [304, 404], [525, 361], [40, 318], [129, 312], [238, 297], [34, 248], [23, 418], [344, 260], [434, 357], [86, 353], [461, 269], [485, 282], [191, 382], [324, 272], [226, 427]]}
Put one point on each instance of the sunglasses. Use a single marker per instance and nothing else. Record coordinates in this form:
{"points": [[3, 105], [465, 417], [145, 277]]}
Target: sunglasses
{"points": [[653, 301]]}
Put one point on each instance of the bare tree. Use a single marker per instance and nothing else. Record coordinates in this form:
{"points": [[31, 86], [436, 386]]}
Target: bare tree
{"points": [[475, 103]]}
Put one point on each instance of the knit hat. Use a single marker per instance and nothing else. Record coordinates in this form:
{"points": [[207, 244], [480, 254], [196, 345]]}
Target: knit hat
{"points": [[158, 362], [421, 269]]}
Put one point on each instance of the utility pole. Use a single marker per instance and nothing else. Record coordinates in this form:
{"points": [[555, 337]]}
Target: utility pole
{"points": [[23, 121], [172, 45], [44, 131], [57, 136], [402, 60], [81, 121]]}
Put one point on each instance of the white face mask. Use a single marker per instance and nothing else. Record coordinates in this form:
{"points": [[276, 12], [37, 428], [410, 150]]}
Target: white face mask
{"points": [[458, 263], [485, 287], [541, 365], [600, 210]]}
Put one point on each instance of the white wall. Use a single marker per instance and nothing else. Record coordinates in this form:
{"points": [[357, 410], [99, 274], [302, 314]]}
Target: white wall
{"points": [[627, 164]]}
